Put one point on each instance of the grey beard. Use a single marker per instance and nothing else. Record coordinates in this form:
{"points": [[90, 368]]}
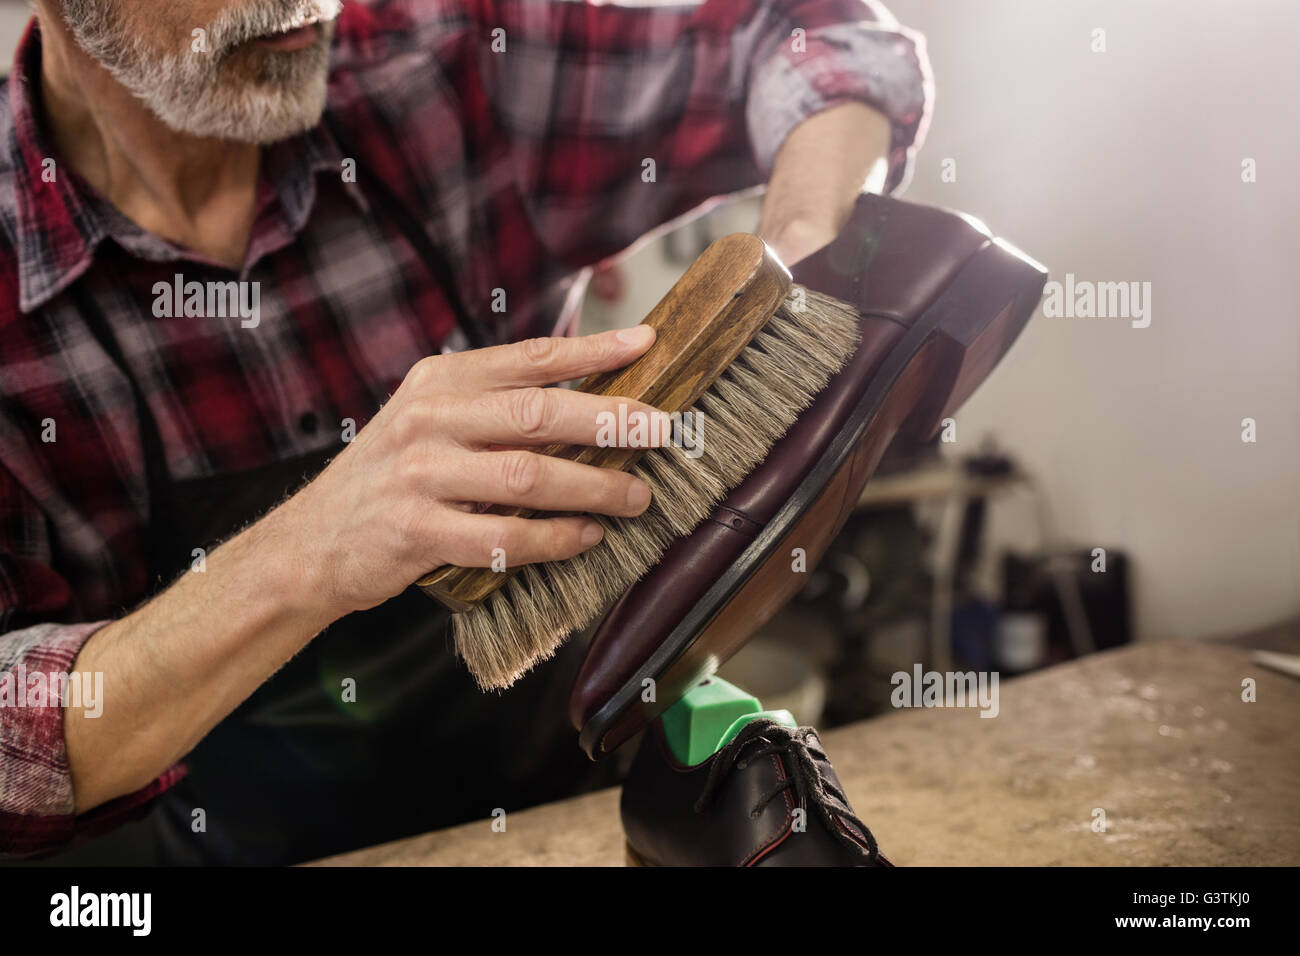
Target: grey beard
{"points": [[188, 91]]}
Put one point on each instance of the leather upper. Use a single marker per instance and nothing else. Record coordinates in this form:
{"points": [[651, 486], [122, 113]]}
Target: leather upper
{"points": [[663, 826], [893, 258]]}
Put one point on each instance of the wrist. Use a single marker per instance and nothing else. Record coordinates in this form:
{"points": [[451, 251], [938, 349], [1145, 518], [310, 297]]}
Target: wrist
{"points": [[797, 238], [278, 563], [824, 165]]}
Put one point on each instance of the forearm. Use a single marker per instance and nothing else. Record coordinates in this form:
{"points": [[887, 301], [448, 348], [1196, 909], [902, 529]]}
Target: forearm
{"points": [[389, 508], [179, 664], [825, 163]]}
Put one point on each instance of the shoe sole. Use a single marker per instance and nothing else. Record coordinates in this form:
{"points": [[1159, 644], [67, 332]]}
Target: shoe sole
{"points": [[958, 339]]}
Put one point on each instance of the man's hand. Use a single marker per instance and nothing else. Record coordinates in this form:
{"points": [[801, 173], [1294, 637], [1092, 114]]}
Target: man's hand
{"points": [[463, 429], [825, 163], [396, 503]]}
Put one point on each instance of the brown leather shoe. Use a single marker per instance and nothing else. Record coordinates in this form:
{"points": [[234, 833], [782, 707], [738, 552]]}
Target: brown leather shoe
{"points": [[941, 301], [741, 806]]}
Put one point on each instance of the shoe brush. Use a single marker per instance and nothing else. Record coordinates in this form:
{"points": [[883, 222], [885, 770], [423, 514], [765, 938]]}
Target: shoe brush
{"points": [[744, 353]]}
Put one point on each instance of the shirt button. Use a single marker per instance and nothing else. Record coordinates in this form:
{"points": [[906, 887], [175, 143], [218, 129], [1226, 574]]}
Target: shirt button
{"points": [[308, 423]]}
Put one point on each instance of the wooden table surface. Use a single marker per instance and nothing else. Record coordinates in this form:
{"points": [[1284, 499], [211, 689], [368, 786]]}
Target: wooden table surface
{"points": [[1156, 735]]}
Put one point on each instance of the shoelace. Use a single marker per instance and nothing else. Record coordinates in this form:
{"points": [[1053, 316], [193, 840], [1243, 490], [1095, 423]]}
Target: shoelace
{"points": [[802, 773]]}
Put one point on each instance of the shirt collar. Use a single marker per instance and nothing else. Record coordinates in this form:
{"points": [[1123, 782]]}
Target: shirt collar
{"points": [[61, 222], [57, 232]]}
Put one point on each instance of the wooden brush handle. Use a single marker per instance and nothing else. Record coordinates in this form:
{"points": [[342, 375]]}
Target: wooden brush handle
{"points": [[701, 325]]}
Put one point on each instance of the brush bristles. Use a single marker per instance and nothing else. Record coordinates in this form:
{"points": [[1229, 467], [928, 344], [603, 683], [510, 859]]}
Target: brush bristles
{"points": [[745, 411]]}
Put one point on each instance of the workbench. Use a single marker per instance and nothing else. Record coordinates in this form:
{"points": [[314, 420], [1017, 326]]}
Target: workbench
{"points": [[1155, 735]]}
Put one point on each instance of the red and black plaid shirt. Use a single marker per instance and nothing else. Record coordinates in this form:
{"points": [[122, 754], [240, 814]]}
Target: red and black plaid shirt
{"points": [[522, 166]]}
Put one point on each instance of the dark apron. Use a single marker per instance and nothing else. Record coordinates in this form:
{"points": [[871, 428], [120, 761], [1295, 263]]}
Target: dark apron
{"points": [[295, 773]]}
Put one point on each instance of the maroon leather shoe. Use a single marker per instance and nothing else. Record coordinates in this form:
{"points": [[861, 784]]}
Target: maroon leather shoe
{"points": [[941, 301], [738, 808]]}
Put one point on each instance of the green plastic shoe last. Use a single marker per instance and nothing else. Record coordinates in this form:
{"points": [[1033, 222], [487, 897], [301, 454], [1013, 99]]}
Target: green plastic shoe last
{"points": [[708, 718]]}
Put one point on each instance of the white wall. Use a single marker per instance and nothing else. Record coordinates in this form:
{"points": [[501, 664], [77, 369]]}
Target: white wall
{"points": [[1126, 165], [14, 15]]}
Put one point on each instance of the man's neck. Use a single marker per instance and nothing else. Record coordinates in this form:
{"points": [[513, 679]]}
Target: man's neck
{"points": [[199, 193]]}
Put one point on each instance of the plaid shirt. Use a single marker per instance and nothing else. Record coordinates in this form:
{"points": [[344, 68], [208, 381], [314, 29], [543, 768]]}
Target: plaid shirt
{"points": [[522, 166]]}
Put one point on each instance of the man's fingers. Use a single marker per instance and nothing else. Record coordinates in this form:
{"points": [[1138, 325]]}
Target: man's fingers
{"points": [[483, 541], [530, 480], [540, 416], [546, 361]]}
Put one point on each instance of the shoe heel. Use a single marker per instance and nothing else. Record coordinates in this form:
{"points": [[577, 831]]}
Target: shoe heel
{"points": [[975, 321]]}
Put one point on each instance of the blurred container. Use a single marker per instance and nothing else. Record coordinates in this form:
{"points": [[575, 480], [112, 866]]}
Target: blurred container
{"points": [[1022, 641]]}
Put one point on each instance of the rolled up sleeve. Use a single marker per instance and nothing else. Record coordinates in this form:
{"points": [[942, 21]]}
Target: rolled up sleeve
{"points": [[37, 663], [871, 60]]}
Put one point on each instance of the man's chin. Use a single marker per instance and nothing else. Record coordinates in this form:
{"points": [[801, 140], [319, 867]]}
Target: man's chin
{"points": [[262, 99], [257, 113]]}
